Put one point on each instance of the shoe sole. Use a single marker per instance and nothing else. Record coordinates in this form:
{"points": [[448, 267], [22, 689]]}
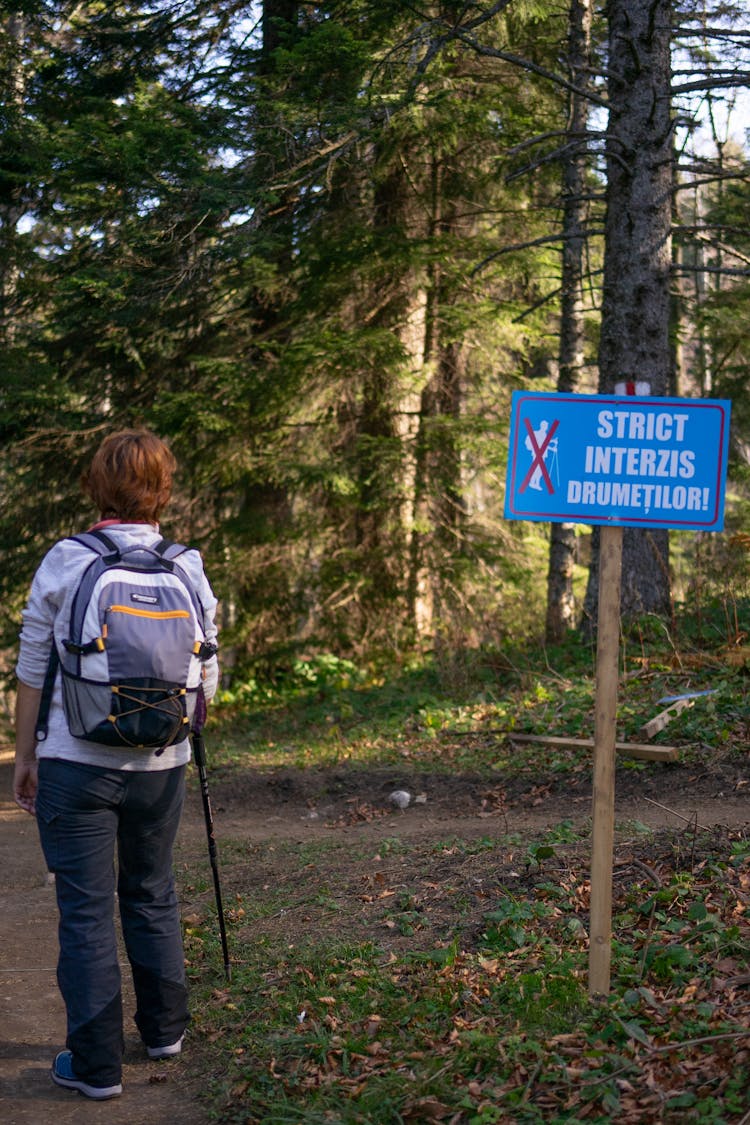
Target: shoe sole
{"points": [[96, 1093], [168, 1052]]}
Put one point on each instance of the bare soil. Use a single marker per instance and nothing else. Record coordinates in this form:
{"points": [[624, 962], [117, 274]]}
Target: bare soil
{"points": [[325, 842]]}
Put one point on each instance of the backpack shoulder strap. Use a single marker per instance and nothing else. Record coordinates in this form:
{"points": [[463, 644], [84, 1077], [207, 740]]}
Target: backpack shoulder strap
{"points": [[168, 550], [97, 542]]}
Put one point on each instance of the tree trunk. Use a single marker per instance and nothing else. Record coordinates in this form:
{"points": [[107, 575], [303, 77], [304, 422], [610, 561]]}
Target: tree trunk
{"points": [[634, 342], [439, 507], [419, 587], [11, 209], [279, 16], [562, 548]]}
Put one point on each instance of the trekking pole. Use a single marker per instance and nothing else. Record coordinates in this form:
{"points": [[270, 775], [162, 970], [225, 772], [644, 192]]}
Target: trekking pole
{"points": [[199, 751]]}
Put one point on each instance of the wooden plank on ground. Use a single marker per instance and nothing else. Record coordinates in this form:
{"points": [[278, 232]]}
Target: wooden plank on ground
{"points": [[653, 726], [629, 749]]}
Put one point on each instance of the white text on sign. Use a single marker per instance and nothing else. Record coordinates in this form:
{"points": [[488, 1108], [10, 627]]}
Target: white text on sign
{"points": [[635, 461]]}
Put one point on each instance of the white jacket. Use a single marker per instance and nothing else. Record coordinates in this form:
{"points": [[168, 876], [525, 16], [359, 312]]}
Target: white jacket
{"points": [[48, 609]]}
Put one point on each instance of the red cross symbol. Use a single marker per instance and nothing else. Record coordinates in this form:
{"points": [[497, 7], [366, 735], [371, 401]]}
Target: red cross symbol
{"points": [[537, 461]]}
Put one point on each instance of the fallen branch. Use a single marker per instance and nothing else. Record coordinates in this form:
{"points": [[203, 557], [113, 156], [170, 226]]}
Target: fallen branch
{"points": [[687, 819], [698, 1042], [649, 871]]}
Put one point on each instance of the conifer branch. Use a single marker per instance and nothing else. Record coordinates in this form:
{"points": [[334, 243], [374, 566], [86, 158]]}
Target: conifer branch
{"points": [[534, 68], [544, 240], [723, 271], [719, 80]]}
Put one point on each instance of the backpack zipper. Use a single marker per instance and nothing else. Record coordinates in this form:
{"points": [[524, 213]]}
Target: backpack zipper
{"points": [[159, 614]]}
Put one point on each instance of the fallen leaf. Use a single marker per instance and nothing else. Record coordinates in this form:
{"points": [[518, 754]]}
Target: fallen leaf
{"points": [[426, 1109]]}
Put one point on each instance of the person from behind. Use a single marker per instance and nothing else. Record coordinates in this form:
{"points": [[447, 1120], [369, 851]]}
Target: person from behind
{"points": [[108, 810]]}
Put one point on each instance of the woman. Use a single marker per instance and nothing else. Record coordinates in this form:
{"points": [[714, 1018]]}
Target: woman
{"points": [[92, 801]]}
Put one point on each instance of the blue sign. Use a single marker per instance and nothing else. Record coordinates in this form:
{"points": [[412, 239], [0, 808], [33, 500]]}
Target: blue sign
{"points": [[609, 459]]}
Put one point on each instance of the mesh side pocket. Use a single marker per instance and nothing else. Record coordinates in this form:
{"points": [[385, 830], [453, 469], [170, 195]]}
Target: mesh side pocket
{"points": [[86, 704]]}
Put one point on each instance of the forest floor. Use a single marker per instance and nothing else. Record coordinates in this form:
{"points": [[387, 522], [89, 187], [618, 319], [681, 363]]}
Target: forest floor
{"points": [[263, 818]]}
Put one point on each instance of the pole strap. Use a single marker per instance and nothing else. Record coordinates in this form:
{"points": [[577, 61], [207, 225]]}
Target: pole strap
{"points": [[42, 720]]}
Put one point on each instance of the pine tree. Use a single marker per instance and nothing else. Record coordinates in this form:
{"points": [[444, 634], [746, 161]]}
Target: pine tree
{"points": [[634, 343], [561, 609]]}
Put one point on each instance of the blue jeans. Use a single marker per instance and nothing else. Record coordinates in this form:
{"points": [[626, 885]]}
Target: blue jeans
{"points": [[85, 814]]}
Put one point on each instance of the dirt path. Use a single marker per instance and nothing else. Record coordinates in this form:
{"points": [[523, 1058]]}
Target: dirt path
{"points": [[32, 1016], [252, 808]]}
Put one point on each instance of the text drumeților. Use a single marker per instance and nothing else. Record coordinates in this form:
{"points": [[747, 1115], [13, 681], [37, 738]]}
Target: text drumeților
{"points": [[648, 463]]}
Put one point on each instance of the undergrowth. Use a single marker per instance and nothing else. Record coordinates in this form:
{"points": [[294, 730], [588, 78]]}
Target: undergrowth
{"points": [[489, 1020], [446, 981], [325, 710]]}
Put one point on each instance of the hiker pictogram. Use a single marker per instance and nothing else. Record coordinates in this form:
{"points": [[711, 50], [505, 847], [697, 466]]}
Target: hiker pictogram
{"points": [[540, 442]]}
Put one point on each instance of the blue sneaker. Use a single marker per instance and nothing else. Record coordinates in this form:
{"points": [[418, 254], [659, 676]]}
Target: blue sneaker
{"points": [[62, 1075]]}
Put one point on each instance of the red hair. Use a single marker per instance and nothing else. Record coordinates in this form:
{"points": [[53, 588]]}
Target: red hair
{"points": [[130, 476]]}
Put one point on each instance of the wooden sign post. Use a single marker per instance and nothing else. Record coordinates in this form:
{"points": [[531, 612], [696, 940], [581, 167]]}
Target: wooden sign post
{"points": [[605, 733], [615, 461]]}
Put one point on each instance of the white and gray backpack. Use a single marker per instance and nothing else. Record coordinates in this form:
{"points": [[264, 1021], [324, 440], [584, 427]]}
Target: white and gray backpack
{"points": [[132, 664]]}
